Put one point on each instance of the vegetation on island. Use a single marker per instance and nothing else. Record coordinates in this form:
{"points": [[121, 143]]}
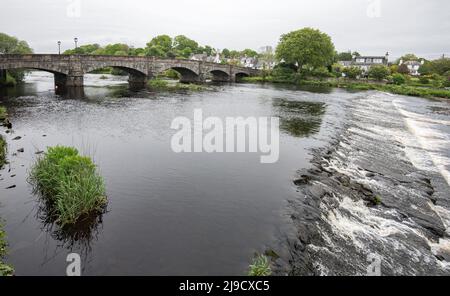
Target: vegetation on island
{"points": [[165, 85], [69, 184]]}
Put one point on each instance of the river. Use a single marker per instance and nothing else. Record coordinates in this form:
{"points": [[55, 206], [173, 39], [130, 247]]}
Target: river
{"points": [[207, 214]]}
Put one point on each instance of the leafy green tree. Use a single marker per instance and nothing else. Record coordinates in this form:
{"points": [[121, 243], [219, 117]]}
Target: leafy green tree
{"points": [[344, 56], [378, 72], [234, 54], [226, 53], [306, 47], [409, 57], [208, 50], [184, 46], [159, 46], [249, 53], [441, 65], [426, 68], [12, 45], [356, 54], [156, 51]]}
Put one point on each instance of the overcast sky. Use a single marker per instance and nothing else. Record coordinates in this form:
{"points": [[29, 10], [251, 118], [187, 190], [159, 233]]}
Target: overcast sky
{"points": [[371, 27]]}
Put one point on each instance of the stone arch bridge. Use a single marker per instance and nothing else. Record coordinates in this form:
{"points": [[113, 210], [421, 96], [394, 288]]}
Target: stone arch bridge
{"points": [[70, 69]]}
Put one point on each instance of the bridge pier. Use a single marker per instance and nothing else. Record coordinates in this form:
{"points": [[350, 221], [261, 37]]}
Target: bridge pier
{"points": [[137, 81], [63, 81]]}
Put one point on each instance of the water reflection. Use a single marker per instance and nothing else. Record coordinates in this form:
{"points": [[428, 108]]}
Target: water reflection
{"points": [[300, 118], [79, 236]]}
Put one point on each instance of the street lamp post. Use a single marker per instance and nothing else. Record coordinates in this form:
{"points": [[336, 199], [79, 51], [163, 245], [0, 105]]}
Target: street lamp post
{"points": [[59, 47], [76, 41]]}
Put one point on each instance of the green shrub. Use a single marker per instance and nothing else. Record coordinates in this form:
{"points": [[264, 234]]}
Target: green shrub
{"points": [[260, 266], [352, 72], [5, 270], [321, 72], [158, 84], [172, 74], [69, 183], [378, 72], [398, 79], [424, 80]]}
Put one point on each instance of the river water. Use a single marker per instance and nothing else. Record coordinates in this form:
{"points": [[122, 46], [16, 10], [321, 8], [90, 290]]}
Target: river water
{"points": [[207, 214]]}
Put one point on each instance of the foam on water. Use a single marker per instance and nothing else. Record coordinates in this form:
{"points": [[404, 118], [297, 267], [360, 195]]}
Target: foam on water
{"points": [[434, 142]]}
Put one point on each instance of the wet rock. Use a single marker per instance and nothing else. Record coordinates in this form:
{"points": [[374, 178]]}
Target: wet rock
{"points": [[39, 152], [303, 180], [21, 150], [11, 187], [12, 176], [17, 138]]}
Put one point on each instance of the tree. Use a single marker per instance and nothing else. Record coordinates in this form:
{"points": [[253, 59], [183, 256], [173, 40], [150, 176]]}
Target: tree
{"points": [[356, 54], [226, 53], [409, 57], [249, 53], [378, 72], [344, 56], [184, 46], [306, 47], [441, 65], [159, 46], [12, 45]]}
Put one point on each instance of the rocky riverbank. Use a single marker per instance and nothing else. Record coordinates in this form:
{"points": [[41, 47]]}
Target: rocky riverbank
{"points": [[364, 196]]}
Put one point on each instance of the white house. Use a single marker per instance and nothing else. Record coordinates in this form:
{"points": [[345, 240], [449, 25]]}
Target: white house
{"points": [[413, 66], [366, 62]]}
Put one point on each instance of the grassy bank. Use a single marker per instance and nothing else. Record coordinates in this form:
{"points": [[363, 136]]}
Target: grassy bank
{"points": [[407, 90], [2, 151], [164, 85], [69, 183], [3, 113], [5, 270]]}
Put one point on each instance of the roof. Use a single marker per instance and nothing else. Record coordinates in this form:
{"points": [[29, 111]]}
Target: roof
{"points": [[371, 57]]}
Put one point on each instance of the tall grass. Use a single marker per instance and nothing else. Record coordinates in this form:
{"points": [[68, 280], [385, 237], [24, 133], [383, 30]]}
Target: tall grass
{"points": [[260, 266], [69, 183], [2, 151]]}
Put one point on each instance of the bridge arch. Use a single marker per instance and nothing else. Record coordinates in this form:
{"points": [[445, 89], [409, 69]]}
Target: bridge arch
{"points": [[240, 75], [137, 78], [187, 72], [219, 75]]}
